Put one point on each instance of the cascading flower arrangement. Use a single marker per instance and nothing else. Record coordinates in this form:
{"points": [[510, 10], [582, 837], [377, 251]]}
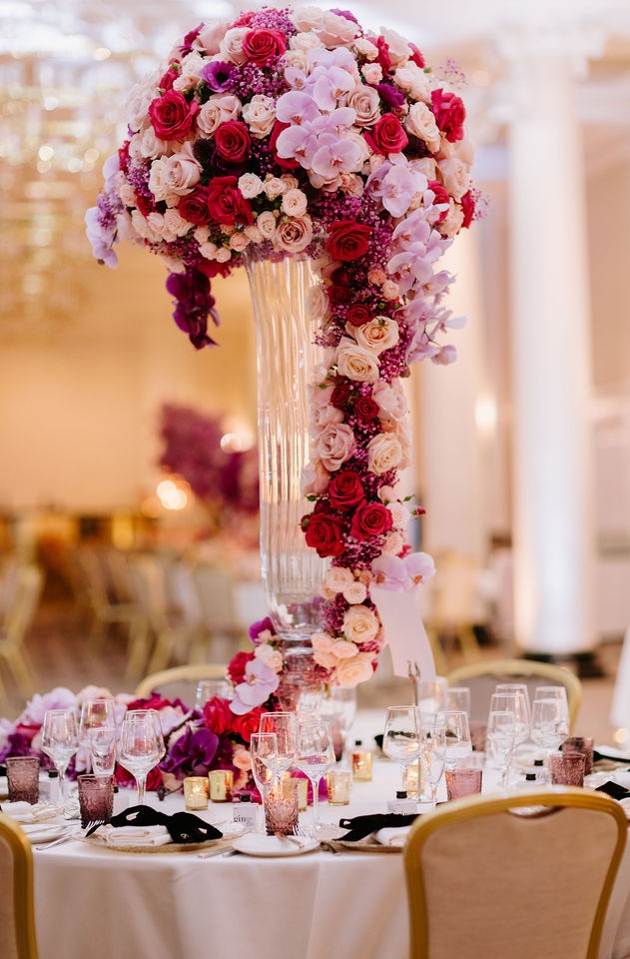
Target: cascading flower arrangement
{"points": [[297, 132]]}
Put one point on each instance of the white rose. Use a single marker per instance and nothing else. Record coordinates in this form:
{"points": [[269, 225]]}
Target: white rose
{"points": [[218, 109], [455, 177], [391, 400], [266, 223], [384, 453], [355, 593], [274, 186], [127, 194], [146, 144], [338, 578], [175, 225], [351, 672], [295, 60], [420, 122], [378, 335], [231, 46], [294, 203], [250, 185], [259, 115], [366, 48], [305, 42], [306, 19], [356, 362], [414, 80], [209, 37], [360, 624], [342, 649], [269, 656], [398, 47], [139, 99], [190, 69]]}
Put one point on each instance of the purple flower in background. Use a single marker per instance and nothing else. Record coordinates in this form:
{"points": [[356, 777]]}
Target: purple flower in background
{"points": [[192, 754], [217, 74], [17, 745]]}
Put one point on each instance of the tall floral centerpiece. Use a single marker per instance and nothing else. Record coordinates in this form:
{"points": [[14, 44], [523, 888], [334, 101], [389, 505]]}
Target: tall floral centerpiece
{"points": [[332, 162]]}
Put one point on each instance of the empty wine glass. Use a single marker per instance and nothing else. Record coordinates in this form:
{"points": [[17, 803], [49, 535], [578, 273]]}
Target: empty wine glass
{"points": [[501, 740], [339, 707], [401, 738], [458, 697], [550, 723], [554, 692], [315, 756], [433, 757], [263, 748], [95, 713], [431, 698], [285, 726], [60, 740], [514, 701], [457, 735], [207, 689], [103, 743], [141, 746]]}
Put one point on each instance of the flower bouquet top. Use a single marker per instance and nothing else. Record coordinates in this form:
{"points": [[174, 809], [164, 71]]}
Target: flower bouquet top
{"points": [[297, 132]]}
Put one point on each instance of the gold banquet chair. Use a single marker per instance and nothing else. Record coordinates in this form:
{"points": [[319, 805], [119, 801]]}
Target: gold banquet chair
{"points": [[180, 681], [19, 615], [527, 875], [481, 678], [17, 918]]}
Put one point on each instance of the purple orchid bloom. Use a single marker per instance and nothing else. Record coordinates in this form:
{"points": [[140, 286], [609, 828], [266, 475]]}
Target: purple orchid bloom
{"points": [[260, 683], [192, 754], [193, 304]]}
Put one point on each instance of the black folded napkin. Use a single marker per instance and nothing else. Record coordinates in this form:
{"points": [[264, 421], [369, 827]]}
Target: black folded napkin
{"points": [[614, 790], [182, 827], [598, 754], [362, 826]]}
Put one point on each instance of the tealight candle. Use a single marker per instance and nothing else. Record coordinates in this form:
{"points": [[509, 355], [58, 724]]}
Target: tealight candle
{"points": [[221, 782], [339, 783], [196, 790]]}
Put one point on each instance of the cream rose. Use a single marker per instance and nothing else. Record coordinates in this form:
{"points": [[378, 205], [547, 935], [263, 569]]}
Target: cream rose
{"points": [[356, 362], [177, 174], [391, 400], [317, 303], [209, 37], [322, 645], [334, 445], [174, 225], [250, 185], [372, 72], [274, 186], [146, 144], [269, 656], [260, 115], [365, 102], [191, 67], [231, 46], [241, 757], [315, 479], [366, 48], [338, 578], [239, 242], [420, 122], [398, 47], [218, 109], [294, 203], [378, 335], [455, 177], [351, 672], [452, 223], [336, 31], [266, 223], [355, 593], [342, 649], [384, 453], [360, 624], [293, 235], [139, 99]]}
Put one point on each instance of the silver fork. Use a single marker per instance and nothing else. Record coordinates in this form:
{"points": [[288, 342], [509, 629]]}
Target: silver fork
{"points": [[70, 834]]}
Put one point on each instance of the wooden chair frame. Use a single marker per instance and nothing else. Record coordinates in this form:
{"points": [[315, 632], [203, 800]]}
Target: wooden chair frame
{"points": [[24, 913]]}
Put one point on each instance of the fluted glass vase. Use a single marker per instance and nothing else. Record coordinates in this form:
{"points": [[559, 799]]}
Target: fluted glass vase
{"points": [[286, 357]]}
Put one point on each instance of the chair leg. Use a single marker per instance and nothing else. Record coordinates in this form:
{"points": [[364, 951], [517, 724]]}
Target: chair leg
{"points": [[138, 651], [17, 662]]}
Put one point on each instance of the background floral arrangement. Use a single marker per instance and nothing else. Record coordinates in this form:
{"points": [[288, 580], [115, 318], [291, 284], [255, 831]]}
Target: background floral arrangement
{"points": [[296, 132]]}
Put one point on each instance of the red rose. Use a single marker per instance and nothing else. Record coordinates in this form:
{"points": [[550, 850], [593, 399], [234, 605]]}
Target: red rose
{"points": [[226, 203], [194, 206], [468, 206], [348, 240], [263, 46], [366, 408], [247, 724], [450, 113], [338, 295], [152, 702], [236, 666], [371, 519], [145, 204], [416, 56], [388, 135], [345, 490], [218, 716], [324, 532], [232, 141], [341, 394], [172, 116], [166, 83], [358, 314], [441, 196]]}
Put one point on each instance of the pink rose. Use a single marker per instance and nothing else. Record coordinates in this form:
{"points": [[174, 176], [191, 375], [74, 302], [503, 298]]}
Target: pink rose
{"points": [[334, 445], [172, 116], [263, 46], [450, 114]]}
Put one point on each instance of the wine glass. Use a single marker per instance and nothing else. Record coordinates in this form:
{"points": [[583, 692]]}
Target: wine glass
{"points": [[554, 692], [285, 727], [95, 713], [433, 757], [458, 697], [339, 708], [103, 743], [550, 723], [263, 749], [500, 738], [141, 746], [431, 698], [457, 735], [315, 756], [516, 703], [207, 689], [401, 738], [60, 740]]}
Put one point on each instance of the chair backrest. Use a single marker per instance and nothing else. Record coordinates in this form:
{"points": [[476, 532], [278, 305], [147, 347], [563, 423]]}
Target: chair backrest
{"points": [[23, 604], [180, 681], [482, 677], [525, 875], [215, 590], [17, 920]]}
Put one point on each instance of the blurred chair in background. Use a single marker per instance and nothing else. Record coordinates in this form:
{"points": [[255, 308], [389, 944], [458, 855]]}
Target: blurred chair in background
{"points": [[216, 595], [21, 604], [455, 606], [180, 681], [111, 601]]}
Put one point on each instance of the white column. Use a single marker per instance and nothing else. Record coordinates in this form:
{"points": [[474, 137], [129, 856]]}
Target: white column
{"points": [[450, 401], [553, 530]]}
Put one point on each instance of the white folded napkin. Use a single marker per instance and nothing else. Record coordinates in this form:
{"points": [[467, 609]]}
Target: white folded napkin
{"points": [[134, 835], [20, 811], [392, 836]]}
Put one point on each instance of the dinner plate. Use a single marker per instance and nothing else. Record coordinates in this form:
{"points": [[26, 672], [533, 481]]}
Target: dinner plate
{"points": [[253, 844]]}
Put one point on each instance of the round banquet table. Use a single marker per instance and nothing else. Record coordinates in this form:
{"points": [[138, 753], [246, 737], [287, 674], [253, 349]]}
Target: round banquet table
{"points": [[106, 904]]}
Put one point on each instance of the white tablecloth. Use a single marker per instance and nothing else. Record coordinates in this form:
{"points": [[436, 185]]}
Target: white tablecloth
{"points": [[111, 905]]}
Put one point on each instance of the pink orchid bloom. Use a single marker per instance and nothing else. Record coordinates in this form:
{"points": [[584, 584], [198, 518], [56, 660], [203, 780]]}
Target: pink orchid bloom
{"points": [[260, 683]]}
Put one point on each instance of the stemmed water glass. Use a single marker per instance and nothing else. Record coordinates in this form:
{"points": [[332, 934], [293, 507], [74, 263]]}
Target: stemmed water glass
{"points": [[263, 750], [457, 735], [502, 726], [554, 692], [141, 746], [60, 740], [550, 723], [285, 727], [521, 707], [401, 738], [95, 714], [103, 744], [315, 756], [339, 708], [433, 757]]}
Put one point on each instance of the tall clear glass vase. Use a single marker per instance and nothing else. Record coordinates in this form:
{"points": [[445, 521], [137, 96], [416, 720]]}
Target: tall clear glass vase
{"points": [[286, 357]]}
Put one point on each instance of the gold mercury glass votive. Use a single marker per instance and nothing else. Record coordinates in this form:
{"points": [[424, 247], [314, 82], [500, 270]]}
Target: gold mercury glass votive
{"points": [[196, 789], [301, 787], [221, 783], [413, 780], [339, 784]]}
